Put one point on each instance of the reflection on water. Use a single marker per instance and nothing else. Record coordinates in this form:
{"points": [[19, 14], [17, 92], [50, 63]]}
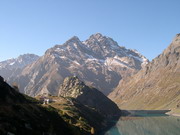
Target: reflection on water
{"points": [[165, 125]]}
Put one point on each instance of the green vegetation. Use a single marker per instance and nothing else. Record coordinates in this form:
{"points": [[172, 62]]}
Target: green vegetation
{"points": [[80, 117], [21, 114]]}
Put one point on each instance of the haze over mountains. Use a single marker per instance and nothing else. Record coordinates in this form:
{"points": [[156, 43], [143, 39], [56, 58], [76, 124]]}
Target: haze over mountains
{"points": [[99, 62], [157, 86]]}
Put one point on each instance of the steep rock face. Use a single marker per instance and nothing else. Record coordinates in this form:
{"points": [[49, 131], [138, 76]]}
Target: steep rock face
{"points": [[98, 61], [91, 97], [13, 67], [157, 86]]}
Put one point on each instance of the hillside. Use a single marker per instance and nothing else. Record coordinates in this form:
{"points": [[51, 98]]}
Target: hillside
{"points": [[76, 114], [157, 86], [82, 106], [20, 114]]}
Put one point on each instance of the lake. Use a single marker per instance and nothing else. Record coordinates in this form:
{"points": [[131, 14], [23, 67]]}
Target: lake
{"points": [[146, 125]]}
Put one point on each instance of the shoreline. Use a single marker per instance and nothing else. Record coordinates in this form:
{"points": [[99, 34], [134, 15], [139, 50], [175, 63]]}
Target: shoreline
{"points": [[173, 114], [145, 112]]}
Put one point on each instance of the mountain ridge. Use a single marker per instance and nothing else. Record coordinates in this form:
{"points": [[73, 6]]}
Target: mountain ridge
{"points": [[13, 66], [99, 61], [154, 87]]}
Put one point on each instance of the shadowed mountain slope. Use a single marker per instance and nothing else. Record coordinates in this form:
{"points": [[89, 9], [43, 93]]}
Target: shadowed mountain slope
{"points": [[20, 114]]}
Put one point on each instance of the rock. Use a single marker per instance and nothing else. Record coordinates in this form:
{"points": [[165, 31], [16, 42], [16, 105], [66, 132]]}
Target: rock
{"points": [[88, 96]]}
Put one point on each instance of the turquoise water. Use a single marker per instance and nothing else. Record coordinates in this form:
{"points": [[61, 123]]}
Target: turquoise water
{"points": [[161, 125]]}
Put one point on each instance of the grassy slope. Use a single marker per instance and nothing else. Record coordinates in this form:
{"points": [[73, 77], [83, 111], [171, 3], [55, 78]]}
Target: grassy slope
{"points": [[78, 115], [152, 92], [20, 114]]}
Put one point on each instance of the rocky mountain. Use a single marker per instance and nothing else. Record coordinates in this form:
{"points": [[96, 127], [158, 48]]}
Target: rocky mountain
{"points": [[88, 96], [99, 62], [157, 86], [13, 67], [20, 114]]}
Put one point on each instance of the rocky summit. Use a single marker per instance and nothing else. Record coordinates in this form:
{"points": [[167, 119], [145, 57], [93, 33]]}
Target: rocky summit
{"points": [[157, 86], [88, 96], [99, 61]]}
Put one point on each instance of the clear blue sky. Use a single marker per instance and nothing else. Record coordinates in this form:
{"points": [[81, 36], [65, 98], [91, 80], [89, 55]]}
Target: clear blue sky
{"points": [[32, 26]]}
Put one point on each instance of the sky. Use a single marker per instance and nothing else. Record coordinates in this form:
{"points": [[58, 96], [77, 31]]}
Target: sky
{"points": [[33, 26]]}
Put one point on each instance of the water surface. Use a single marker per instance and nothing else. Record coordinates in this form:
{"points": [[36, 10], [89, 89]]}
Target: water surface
{"points": [[146, 125]]}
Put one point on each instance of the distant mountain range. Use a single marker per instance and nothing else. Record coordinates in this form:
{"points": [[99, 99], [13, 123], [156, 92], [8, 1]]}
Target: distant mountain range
{"points": [[12, 67], [99, 61], [157, 86]]}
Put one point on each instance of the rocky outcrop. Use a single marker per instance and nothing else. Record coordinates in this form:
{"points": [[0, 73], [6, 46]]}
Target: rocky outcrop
{"points": [[99, 61], [157, 86], [88, 96]]}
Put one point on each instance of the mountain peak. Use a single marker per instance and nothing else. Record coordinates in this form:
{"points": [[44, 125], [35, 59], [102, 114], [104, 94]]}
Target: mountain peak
{"points": [[74, 80], [103, 41], [178, 34], [73, 39], [71, 87], [19, 62], [14, 65], [177, 39], [98, 57], [173, 48], [97, 35], [28, 55]]}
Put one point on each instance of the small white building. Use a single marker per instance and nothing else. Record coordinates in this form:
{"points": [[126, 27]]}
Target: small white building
{"points": [[46, 101]]}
